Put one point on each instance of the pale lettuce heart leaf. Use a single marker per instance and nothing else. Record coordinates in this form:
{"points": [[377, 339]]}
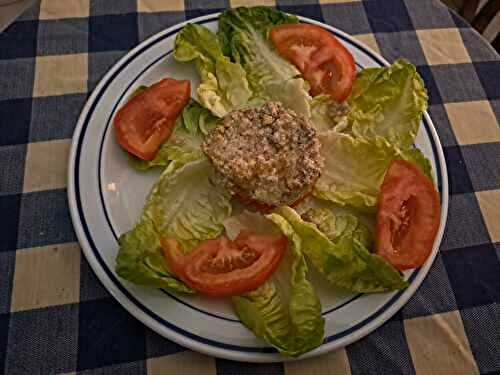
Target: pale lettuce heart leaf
{"points": [[224, 85], [186, 204], [183, 204], [388, 102], [183, 145], [335, 226], [345, 263], [249, 221], [355, 168], [243, 35], [285, 311], [325, 114]]}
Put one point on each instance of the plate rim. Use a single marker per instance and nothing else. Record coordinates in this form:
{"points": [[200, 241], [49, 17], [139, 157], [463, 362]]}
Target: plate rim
{"points": [[132, 308]]}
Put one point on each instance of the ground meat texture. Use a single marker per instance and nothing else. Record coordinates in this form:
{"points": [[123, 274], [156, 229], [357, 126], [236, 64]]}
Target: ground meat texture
{"points": [[268, 154]]}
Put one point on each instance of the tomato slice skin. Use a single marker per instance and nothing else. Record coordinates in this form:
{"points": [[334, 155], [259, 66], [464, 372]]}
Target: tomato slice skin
{"points": [[408, 216], [324, 61], [147, 120], [223, 268]]}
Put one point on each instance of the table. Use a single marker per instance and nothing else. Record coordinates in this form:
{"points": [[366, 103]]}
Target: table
{"points": [[55, 317]]}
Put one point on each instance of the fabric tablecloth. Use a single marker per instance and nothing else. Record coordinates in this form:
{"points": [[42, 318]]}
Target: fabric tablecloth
{"points": [[55, 316]]}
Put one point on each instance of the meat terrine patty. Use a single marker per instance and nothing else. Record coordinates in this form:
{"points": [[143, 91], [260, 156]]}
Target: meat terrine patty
{"points": [[268, 154]]}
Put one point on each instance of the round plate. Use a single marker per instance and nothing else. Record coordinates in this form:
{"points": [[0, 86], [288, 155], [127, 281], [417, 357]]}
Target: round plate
{"points": [[106, 197]]}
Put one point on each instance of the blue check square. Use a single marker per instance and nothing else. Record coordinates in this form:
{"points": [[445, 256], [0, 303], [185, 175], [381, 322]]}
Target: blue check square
{"points": [[429, 15], [350, 17], [458, 83], [473, 273], [313, 11], [19, 40], [388, 16], [15, 124], [53, 36], [489, 75], [430, 85], [465, 226], [404, 44], [7, 265], [44, 219], [152, 23], [364, 355], [483, 164], [482, 326], [12, 86], [10, 206], [458, 176], [12, 172], [226, 367], [116, 32], [55, 117], [434, 296], [55, 348], [108, 335]]}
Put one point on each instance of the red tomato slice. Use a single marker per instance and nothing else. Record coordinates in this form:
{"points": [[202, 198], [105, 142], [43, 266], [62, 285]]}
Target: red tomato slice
{"points": [[325, 63], [147, 120], [222, 268], [408, 216]]}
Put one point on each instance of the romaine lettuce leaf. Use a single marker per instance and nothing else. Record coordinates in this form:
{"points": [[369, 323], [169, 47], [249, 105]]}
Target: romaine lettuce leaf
{"points": [[243, 36], [345, 263], [388, 102], [223, 86], [187, 205], [325, 114], [140, 259], [184, 204], [285, 311], [355, 168], [336, 226]]}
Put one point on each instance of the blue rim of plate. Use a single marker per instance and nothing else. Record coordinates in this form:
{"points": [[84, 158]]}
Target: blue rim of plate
{"points": [[81, 216]]}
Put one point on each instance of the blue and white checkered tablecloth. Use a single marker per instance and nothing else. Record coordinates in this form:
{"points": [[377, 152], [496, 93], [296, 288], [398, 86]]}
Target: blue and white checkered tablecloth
{"points": [[55, 317]]}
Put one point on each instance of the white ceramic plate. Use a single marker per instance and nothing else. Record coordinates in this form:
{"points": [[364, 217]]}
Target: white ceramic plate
{"points": [[106, 196]]}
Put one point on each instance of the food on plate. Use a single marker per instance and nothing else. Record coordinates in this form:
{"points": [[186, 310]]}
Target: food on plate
{"points": [[408, 216], [223, 268], [317, 174], [324, 62], [224, 84], [268, 154], [147, 120]]}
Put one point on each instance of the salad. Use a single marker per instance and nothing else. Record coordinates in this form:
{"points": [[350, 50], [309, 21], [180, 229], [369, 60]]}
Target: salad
{"points": [[282, 164]]}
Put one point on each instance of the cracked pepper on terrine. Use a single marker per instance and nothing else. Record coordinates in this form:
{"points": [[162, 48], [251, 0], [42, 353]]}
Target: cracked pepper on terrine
{"points": [[268, 154]]}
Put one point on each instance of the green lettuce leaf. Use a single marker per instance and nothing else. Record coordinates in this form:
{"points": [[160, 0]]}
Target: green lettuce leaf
{"points": [[140, 259], [184, 204], [336, 226], [345, 263], [355, 168], [243, 35], [388, 102], [325, 116], [184, 143], [223, 86], [285, 311], [187, 205]]}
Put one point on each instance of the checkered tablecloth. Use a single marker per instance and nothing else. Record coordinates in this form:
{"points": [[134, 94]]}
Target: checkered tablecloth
{"points": [[55, 317]]}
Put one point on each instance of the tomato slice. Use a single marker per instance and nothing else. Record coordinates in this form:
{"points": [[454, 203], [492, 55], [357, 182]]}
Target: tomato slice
{"points": [[222, 268], [408, 216], [324, 62], [147, 120]]}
